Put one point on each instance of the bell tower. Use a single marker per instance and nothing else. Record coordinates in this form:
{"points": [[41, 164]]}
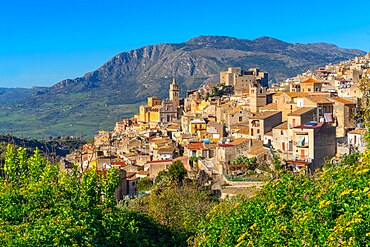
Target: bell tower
{"points": [[175, 94]]}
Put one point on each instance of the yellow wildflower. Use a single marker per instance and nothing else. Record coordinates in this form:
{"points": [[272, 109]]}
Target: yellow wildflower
{"points": [[283, 206], [253, 226], [358, 220], [322, 203], [304, 218], [363, 171], [345, 192], [242, 237]]}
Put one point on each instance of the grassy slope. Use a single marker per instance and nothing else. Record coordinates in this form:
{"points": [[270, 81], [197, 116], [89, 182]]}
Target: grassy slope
{"points": [[65, 116], [332, 209]]}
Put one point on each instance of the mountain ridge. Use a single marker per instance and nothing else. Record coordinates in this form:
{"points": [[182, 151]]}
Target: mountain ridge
{"points": [[101, 97]]}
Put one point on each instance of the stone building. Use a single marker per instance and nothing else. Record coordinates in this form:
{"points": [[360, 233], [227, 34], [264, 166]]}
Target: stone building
{"points": [[344, 112], [310, 85], [263, 122], [242, 79], [314, 142], [158, 111], [286, 102]]}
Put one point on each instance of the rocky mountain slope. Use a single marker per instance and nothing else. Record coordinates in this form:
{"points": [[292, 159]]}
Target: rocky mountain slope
{"points": [[101, 97]]}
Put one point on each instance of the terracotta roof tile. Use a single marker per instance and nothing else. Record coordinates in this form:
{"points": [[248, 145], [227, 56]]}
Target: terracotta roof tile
{"points": [[319, 99], [197, 146], [258, 151], [310, 80], [238, 141], [296, 94], [264, 115], [268, 133], [344, 101], [301, 111], [226, 145], [282, 126], [159, 161], [357, 131], [269, 107]]}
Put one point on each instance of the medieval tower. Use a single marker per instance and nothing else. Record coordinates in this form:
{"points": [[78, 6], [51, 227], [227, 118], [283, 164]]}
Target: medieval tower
{"points": [[175, 94]]}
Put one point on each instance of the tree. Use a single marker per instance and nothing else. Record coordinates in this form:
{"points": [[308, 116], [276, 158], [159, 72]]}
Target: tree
{"points": [[41, 206], [181, 208], [251, 163], [177, 172], [144, 184]]}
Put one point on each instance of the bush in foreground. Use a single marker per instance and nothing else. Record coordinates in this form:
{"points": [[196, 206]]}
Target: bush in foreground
{"points": [[42, 207]]}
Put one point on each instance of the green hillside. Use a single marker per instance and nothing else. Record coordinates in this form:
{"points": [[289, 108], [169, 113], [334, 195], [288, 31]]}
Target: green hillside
{"points": [[329, 209]]}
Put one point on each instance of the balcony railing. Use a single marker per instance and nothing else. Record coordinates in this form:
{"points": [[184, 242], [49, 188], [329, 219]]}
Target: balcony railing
{"points": [[304, 144], [304, 158]]}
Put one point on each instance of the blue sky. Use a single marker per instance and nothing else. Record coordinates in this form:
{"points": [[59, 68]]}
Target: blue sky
{"points": [[44, 42]]}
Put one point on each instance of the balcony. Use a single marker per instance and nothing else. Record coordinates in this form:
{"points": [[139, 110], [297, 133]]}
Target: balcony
{"points": [[301, 159], [302, 142]]}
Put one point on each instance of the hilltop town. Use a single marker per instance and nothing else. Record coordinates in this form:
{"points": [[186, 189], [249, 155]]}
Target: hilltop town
{"points": [[239, 131]]}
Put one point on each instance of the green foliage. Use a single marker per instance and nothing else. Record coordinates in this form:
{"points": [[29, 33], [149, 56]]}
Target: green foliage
{"points": [[177, 172], [276, 161], [331, 209], [193, 161], [220, 90], [350, 159], [181, 208], [144, 184], [42, 207], [250, 162], [177, 202], [10, 166]]}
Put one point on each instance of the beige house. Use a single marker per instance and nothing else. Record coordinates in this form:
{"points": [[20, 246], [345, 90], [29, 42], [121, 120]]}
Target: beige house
{"points": [[223, 110], [301, 116], [200, 150], [282, 140], [215, 131], [314, 142], [356, 138], [158, 165], [344, 112], [323, 105], [263, 122], [227, 152], [239, 114], [239, 131], [310, 85], [352, 93], [287, 102]]}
